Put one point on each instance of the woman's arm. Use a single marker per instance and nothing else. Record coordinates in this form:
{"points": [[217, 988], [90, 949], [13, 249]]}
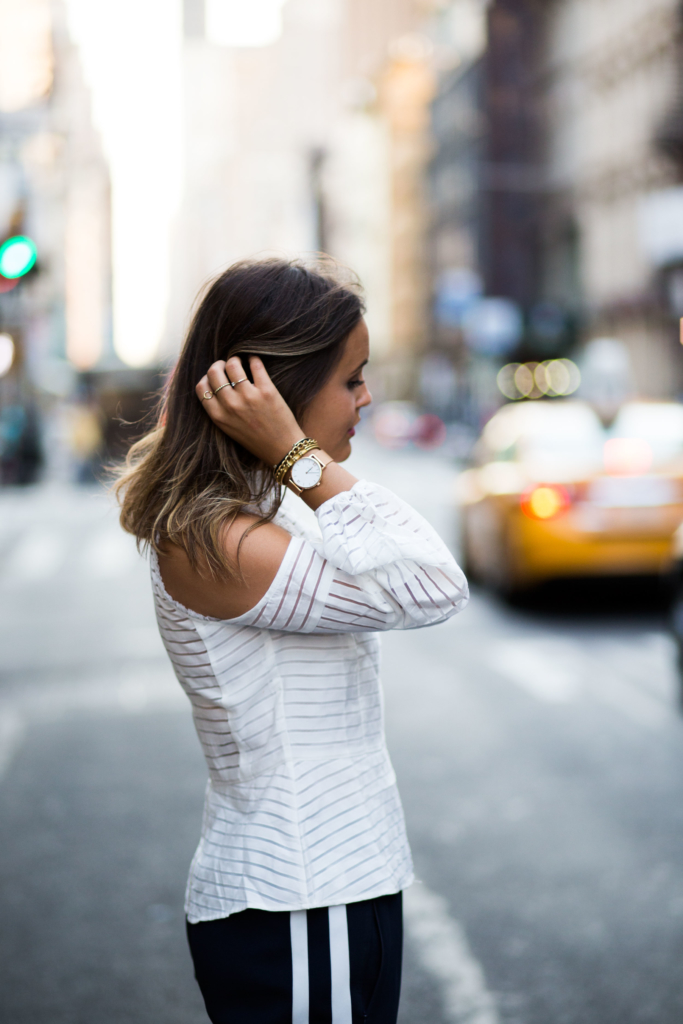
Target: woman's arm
{"points": [[382, 566], [257, 417]]}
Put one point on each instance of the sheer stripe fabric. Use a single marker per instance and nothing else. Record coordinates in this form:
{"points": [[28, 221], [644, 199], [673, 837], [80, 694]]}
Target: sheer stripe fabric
{"points": [[302, 808]]}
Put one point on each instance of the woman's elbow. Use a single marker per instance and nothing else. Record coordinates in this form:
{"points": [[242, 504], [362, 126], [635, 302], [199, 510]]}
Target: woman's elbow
{"points": [[438, 607], [454, 601]]}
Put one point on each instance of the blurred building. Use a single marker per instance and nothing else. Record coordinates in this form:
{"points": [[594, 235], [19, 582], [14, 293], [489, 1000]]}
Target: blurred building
{"points": [[455, 177], [555, 180], [54, 189], [283, 126], [610, 77], [286, 126], [256, 112], [511, 174], [377, 158], [315, 140], [457, 208]]}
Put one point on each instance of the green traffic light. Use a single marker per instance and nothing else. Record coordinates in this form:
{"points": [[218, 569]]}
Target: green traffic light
{"points": [[17, 256]]}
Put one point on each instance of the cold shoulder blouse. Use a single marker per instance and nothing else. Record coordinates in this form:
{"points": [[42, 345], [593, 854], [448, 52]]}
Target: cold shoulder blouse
{"points": [[301, 807]]}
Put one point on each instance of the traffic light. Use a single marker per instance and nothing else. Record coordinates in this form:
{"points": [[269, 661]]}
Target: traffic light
{"points": [[18, 255]]}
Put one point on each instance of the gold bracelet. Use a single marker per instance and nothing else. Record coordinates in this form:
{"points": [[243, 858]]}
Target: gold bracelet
{"points": [[306, 444]]}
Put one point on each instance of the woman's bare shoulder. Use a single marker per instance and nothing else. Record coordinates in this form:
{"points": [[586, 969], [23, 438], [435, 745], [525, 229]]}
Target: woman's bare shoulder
{"points": [[260, 552]]}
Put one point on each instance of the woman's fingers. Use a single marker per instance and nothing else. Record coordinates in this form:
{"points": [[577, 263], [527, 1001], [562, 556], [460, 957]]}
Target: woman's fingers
{"points": [[259, 372], [235, 370], [231, 372], [203, 388], [255, 415], [217, 374]]}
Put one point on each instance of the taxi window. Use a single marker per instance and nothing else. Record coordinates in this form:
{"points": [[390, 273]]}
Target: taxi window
{"points": [[555, 432], [658, 423], [564, 440]]}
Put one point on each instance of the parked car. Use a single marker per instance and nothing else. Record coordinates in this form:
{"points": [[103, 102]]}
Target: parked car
{"points": [[553, 494]]}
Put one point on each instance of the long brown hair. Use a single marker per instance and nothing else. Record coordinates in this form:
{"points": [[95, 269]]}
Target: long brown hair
{"points": [[185, 480]]}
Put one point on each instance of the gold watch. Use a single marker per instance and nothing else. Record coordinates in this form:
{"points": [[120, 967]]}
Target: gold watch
{"points": [[307, 472]]}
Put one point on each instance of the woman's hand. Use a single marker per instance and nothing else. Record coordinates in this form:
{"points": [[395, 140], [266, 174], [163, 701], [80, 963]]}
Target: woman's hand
{"points": [[255, 415]]}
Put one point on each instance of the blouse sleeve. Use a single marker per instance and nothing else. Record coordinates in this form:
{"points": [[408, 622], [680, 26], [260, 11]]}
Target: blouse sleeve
{"points": [[380, 566]]}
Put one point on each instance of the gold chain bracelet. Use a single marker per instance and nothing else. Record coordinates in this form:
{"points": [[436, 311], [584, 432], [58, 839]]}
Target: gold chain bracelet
{"points": [[307, 444]]}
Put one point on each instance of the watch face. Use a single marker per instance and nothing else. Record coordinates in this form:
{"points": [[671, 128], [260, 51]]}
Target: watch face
{"points": [[306, 473]]}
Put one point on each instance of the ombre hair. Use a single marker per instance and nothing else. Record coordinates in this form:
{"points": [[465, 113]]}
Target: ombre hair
{"points": [[185, 481]]}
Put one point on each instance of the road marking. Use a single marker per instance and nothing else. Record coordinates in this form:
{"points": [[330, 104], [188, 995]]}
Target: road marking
{"points": [[545, 667], [37, 556], [444, 952], [639, 680], [131, 692], [109, 554], [614, 686], [12, 731]]}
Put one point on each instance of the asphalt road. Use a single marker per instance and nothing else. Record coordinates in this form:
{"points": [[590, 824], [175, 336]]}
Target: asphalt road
{"points": [[539, 752]]}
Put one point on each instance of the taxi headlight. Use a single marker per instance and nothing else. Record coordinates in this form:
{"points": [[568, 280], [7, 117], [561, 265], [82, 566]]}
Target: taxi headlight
{"points": [[545, 502]]}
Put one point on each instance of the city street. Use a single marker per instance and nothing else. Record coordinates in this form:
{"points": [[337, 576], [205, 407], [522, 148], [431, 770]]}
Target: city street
{"points": [[538, 748]]}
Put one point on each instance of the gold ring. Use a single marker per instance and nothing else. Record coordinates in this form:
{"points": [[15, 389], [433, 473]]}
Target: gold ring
{"points": [[240, 381], [221, 387], [207, 396]]}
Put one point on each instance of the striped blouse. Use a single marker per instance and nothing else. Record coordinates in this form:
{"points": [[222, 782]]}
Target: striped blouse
{"points": [[301, 807]]}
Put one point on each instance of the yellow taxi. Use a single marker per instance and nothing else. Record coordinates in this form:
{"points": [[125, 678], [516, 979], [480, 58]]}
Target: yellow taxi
{"points": [[553, 494]]}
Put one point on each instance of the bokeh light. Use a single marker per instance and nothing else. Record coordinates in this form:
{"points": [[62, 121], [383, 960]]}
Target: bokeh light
{"points": [[6, 353], [553, 378], [392, 427], [429, 431], [545, 502], [17, 256], [6, 285]]}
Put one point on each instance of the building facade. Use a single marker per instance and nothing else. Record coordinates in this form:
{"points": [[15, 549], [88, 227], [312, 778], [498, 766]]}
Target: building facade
{"points": [[574, 208], [317, 141], [610, 84], [54, 188]]}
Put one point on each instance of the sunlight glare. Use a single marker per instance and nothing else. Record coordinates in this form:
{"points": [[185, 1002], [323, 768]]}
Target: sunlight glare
{"points": [[26, 60], [132, 59], [240, 23]]}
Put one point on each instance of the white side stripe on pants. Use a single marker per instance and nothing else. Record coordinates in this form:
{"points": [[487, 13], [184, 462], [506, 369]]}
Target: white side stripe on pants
{"points": [[339, 963], [298, 926], [340, 970]]}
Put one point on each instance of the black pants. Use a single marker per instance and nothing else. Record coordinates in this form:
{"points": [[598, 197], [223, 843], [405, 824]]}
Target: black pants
{"points": [[337, 965]]}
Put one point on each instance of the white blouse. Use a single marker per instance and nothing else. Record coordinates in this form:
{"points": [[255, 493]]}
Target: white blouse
{"points": [[301, 807]]}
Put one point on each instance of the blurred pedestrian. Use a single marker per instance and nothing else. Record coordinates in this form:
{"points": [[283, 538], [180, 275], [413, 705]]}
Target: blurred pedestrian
{"points": [[21, 455], [85, 434], [270, 620]]}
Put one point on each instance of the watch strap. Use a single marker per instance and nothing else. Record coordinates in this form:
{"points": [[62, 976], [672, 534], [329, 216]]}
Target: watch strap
{"points": [[315, 455], [301, 448]]}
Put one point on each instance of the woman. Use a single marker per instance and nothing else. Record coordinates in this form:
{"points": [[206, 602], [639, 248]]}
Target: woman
{"points": [[294, 897]]}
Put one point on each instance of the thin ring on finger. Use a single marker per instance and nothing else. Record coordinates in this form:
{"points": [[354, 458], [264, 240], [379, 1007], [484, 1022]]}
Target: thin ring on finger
{"points": [[207, 396], [223, 386], [233, 384]]}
